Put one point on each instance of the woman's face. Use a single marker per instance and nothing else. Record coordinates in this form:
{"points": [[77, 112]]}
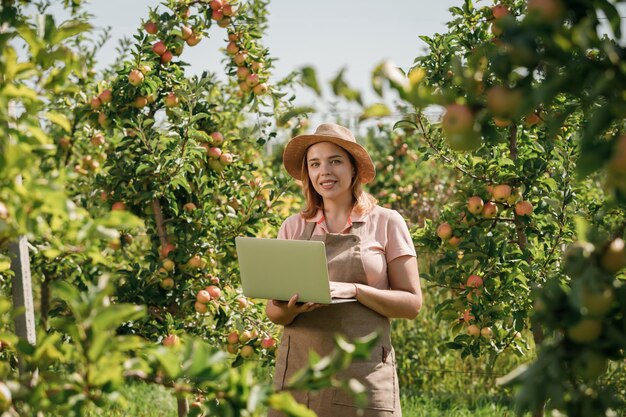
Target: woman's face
{"points": [[330, 170]]}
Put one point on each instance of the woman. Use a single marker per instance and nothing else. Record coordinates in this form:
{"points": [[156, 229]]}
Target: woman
{"points": [[370, 257]]}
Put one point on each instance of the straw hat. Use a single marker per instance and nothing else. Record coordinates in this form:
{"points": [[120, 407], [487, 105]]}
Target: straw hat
{"points": [[294, 153]]}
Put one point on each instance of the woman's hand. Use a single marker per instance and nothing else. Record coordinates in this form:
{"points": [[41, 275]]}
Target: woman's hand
{"points": [[284, 312], [343, 290]]}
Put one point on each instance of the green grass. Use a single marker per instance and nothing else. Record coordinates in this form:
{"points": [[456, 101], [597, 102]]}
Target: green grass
{"points": [[445, 406], [145, 400]]}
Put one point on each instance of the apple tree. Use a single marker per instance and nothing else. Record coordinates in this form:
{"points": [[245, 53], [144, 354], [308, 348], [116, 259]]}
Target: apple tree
{"points": [[530, 117], [121, 183]]}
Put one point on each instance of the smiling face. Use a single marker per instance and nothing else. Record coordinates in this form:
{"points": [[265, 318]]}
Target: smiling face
{"points": [[330, 171]]}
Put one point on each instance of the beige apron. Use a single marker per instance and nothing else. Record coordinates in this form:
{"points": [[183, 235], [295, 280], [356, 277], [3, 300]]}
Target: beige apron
{"points": [[315, 330]]}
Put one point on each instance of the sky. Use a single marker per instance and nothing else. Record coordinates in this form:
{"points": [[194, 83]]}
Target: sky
{"points": [[326, 34]]}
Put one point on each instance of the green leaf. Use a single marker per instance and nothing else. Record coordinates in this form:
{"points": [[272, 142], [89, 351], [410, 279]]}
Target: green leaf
{"points": [[283, 401], [19, 91], [60, 120], [113, 316], [69, 29], [199, 116], [309, 79], [296, 111], [377, 110]]}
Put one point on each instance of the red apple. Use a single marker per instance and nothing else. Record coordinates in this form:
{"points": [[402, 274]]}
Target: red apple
{"points": [[97, 139], [532, 119], [227, 9], [196, 262], [167, 283], [486, 332], [165, 250], [444, 231], [523, 208], [548, 10], [214, 152], [140, 102], [243, 303], [246, 351], [216, 138], [242, 73], [256, 65], [268, 342], [454, 241], [217, 15], [243, 87], [64, 142], [457, 119], [105, 96], [95, 103], [151, 27], [252, 80], [490, 210], [233, 37], [245, 336], [215, 4], [193, 40], [168, 265], [233, 338], [473, 330], [232, 48], [203, 296], [167, 57], [223, 23], [159, 48], [501, 192], [171, 100], [475, 205], [118, 206], [214, 292], [474, 281], [260, 89], [186, 32], [189, 207], [171, 340], [226, 158], [499, 10], [502, 101], [103, 120], [240, 58]]}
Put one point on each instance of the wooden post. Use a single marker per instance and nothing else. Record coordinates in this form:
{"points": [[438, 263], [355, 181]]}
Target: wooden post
{"points": [[23, 290]]}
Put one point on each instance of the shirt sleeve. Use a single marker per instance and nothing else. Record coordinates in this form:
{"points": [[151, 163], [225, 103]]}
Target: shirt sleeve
{"points": [[399, 242], [290, 227], [282, 232]]}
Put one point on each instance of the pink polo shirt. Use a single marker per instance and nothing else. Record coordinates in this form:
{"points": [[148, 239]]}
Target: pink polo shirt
{"points": [[384, 237]]}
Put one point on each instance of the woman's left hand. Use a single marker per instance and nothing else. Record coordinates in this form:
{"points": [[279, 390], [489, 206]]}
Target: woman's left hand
{"points": [[342, 290]]}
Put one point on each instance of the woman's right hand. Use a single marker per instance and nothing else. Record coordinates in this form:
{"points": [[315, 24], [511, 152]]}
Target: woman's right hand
{"points": [[283, 312]]}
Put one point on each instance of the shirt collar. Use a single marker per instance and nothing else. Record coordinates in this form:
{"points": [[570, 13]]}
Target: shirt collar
{"points": [[354, 218]]}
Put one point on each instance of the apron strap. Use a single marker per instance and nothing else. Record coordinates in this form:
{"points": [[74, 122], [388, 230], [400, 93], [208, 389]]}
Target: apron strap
{"points": [[308, 231]]}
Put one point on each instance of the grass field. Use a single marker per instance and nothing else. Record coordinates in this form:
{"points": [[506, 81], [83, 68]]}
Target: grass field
{"points": [[155, 401]]}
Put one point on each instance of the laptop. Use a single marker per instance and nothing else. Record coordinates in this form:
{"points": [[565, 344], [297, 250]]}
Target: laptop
{"points": [[276, 269]]}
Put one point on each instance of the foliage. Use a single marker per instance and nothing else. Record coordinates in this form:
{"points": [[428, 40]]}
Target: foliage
{"points": [[523, 84]]}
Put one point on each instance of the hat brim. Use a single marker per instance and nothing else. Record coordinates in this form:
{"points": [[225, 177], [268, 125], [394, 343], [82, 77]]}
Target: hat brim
{"points": [[293, 155]]}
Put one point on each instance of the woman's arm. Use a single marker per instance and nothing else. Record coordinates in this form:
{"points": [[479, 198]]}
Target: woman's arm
{"points": [[403, 299]]}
